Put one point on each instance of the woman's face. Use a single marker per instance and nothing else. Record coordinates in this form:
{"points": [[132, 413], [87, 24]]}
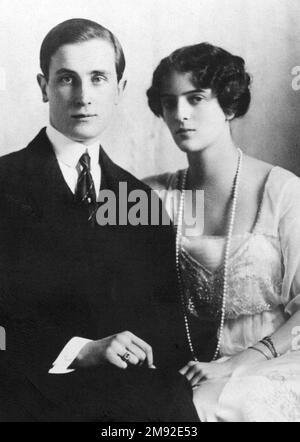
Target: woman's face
{"points": [[194, 116]]}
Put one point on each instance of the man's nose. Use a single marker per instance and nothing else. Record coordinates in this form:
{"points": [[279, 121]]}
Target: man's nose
{"points": [[183, 110], [82, 94]]}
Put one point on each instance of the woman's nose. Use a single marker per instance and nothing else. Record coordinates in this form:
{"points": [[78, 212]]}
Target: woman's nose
{"points": [[183, 111]]}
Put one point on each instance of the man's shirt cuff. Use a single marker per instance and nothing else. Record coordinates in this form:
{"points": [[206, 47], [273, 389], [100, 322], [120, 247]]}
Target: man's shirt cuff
{"points": [[68, 355]]}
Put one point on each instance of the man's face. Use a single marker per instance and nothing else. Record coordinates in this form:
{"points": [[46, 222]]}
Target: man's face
{"points": [[82, 89]]}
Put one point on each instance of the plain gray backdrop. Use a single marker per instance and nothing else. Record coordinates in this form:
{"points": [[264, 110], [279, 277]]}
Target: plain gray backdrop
{"points": [[265, 32]]}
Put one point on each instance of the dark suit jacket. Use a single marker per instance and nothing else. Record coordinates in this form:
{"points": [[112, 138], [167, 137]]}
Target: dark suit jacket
{"points": [[62, 278]]}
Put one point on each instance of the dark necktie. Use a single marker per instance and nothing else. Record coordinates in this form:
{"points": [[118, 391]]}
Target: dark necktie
{"points": [[85, 191]]}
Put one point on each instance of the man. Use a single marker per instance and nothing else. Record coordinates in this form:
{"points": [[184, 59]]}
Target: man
{"points": [[91, 312]]}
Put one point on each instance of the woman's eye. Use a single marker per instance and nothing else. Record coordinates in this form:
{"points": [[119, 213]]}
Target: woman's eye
{"points": [[196, 99]]}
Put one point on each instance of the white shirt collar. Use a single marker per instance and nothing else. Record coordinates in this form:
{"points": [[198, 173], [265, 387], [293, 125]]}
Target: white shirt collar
{"points": [[68, 151]]}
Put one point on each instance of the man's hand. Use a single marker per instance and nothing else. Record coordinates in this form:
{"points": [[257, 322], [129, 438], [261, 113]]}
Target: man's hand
{"points": [[111, 350]]}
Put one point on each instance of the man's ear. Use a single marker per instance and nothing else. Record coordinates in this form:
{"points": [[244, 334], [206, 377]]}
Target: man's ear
{"points": [[121, 88], [43, 86]]}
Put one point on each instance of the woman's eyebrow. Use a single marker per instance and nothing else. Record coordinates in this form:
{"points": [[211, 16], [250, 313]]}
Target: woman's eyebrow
{"points": [[192, 91]]}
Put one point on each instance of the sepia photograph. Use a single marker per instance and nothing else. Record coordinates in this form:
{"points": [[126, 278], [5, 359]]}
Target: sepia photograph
{"points": [[149, 213]]}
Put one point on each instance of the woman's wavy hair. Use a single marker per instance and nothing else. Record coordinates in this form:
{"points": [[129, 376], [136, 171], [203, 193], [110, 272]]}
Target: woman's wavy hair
{"points": [[212, 68]]}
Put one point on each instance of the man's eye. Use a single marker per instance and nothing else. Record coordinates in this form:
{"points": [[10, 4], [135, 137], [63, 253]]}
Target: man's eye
{"points": [[98, 79], [66, 79]]}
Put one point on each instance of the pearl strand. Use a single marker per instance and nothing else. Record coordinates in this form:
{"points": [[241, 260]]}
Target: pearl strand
{"points": [[177, 254], [227, 251], [226, 256]]}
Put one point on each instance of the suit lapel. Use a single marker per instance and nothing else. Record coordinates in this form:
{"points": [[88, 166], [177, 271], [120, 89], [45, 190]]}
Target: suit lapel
{"points": [[48, 191], [111, 174]]}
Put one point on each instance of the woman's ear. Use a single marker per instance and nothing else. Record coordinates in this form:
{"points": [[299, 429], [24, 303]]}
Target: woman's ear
{"points": [[42, 82]]}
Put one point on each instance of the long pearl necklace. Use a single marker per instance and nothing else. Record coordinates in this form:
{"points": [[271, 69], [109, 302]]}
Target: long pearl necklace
{"points": [[234, 194]]}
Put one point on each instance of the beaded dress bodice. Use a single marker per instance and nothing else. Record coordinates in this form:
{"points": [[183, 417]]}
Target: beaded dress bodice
{"points": [[254, 284], [254, 305]]}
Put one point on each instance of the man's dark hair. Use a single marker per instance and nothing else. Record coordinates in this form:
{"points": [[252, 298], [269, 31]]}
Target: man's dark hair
{"points": [[78, 30], [212, 68]]}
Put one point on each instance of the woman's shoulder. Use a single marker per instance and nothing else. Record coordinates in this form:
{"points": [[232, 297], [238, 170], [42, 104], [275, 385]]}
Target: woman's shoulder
{"points": [[284, 184], [164, 181], [283, 193], [279, 193], [278, 181]]}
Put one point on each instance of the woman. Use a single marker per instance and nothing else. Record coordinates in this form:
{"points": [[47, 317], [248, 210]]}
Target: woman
{"points": [[243, 267]]}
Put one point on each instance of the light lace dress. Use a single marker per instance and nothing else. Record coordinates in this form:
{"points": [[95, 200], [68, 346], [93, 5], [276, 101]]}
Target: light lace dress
{"points": [[263, 291]]}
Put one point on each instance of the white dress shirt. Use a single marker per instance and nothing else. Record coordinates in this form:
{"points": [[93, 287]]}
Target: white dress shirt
{"points": [[68, 153]]}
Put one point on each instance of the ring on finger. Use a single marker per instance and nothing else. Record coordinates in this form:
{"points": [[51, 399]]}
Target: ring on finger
{"points": [[125, 357]]}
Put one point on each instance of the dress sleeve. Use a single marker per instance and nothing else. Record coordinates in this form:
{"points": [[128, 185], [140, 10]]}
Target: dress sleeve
{"points": [[289, 233]]}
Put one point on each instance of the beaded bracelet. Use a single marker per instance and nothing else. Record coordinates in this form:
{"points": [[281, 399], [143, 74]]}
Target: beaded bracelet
{"points": [[260, 351], [267, 341]]}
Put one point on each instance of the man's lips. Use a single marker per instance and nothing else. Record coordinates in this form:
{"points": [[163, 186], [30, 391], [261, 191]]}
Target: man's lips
{"points": [[82, 116], [185, 130]]}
